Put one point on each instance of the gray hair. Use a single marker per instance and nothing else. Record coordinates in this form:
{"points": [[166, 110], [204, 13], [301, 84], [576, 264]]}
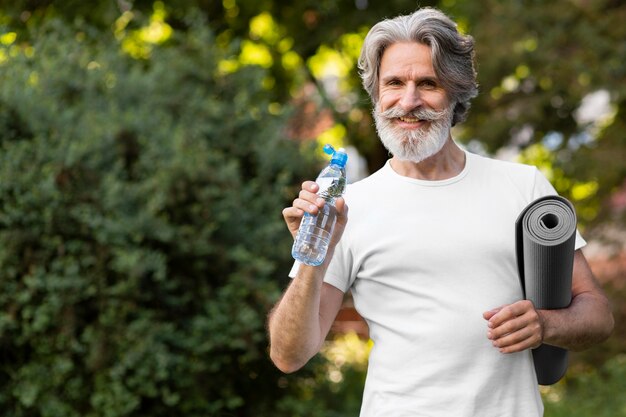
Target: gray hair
{"points": [[452, 54]]}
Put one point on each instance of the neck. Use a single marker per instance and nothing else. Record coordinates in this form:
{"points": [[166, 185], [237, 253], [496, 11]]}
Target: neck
{"points": [[447, 163]]}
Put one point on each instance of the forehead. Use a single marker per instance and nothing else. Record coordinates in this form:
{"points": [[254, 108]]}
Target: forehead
{"points": [[407, 59]]}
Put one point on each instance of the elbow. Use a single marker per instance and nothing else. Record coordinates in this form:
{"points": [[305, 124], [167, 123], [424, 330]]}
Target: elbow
{"points": [[603, 331], [609, 326], [608, 323], [285, 364], [601, 334], [286, 367]]}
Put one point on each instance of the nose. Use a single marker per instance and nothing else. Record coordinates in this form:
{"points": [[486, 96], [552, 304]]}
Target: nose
{"points": [[411, 98]]}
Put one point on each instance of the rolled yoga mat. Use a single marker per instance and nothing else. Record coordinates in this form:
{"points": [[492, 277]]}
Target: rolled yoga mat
{"points": [[545, 234]]}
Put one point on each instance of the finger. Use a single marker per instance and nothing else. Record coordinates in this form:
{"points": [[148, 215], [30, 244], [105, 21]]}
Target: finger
{"points": [[310, 186], [342, 208], [512, 325], [290, 213], [518, 347], [519, 342], [311, 198], [509, 312], [500, 317], [513, 338], [529, 321], [504, 329], [489, 314], [306, 206]]}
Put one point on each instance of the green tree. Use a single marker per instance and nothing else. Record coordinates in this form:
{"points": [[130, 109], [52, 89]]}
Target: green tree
{"points": [[140, 229], [537, 64], [100, 131]]}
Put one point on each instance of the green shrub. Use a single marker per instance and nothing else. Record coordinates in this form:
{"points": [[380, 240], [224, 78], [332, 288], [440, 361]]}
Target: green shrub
{"points": [[599, 393], [140, 230]]}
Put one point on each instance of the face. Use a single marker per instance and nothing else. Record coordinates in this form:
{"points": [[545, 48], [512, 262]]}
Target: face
{"points": [[413, 114]]}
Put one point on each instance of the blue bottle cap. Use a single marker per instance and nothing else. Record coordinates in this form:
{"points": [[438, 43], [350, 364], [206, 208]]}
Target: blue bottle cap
{"points": [[339, 156]]}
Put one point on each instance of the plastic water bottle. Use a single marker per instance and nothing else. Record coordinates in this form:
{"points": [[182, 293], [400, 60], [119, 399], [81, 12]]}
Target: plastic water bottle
{"points": [[314, 234]]}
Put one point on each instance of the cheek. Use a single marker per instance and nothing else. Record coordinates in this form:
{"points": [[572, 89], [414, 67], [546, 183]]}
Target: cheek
{"points": [[385, 102], [438, 101]]}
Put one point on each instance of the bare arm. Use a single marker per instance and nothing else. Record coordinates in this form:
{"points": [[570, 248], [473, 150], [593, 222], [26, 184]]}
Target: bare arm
{"points": [[300, 321], [588, 319]]}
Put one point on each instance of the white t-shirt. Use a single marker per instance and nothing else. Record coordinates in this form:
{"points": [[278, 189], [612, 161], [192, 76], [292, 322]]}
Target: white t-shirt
{"points": [[424, 260]]}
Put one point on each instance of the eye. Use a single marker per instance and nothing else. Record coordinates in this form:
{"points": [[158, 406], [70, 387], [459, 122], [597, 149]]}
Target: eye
{"points": [[428, 84], [394, 82]]}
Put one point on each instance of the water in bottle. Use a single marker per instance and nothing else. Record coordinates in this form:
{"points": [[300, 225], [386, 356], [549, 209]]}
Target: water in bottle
{"points": [[314, 235]]}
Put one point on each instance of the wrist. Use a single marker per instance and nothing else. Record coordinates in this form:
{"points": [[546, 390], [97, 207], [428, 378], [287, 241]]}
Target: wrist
{"points": [[546, 318], [312, 273]]}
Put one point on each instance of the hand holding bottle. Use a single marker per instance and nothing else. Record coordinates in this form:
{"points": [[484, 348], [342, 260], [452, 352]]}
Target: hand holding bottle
{"points": [[316, 212], [309, 202]]}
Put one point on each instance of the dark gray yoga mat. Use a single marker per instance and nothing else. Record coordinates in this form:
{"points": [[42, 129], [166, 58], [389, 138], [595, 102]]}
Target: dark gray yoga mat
{"points": [[545, 235]]}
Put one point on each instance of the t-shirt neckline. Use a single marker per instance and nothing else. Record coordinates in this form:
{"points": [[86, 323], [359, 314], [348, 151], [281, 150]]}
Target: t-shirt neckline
{"points": [[389, 171]]}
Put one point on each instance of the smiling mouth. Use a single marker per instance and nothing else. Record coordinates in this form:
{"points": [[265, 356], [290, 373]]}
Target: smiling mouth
{"points": [[407, 119]]}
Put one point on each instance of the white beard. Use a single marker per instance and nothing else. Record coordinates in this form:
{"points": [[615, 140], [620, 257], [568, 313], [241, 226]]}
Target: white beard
{"points": [[417, 144]]}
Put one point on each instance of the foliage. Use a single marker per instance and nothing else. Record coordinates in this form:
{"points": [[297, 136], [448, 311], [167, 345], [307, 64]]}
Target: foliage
{"points": [[140, 229], [598, 393], [551, 76], [582, 393], [539, 65], [140, 151]]}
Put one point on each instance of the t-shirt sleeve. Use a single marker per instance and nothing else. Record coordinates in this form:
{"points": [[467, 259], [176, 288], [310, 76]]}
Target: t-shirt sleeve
{"points": [[340, 270], [294, 269], [541, 188]]}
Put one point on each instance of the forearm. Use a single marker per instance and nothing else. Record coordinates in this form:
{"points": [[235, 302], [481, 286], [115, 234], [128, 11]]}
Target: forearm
{"points": [[294, 324], [587, 321]]}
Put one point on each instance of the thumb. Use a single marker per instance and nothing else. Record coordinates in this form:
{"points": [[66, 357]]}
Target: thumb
{"points": [[341, 206]]}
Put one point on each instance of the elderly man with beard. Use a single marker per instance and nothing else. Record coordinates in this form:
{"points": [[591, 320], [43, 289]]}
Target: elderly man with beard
{"points": [[428, 250]]}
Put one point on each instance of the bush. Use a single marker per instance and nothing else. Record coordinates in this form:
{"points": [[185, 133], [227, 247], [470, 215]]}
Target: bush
{"points": [[140, 230], [599, 393]]}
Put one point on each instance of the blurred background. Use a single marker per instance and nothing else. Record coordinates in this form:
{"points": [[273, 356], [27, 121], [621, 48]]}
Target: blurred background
{"points": [[147, 149]]}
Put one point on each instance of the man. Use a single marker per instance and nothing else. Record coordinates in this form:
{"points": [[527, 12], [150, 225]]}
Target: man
{"points": [[428, 251]]}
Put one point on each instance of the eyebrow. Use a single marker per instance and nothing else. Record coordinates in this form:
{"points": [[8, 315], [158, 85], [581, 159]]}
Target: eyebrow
{"points": [[393, 77]]}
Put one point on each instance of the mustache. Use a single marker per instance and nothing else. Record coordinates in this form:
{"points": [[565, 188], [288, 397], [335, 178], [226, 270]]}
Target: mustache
{"points": [[422, 114]]}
